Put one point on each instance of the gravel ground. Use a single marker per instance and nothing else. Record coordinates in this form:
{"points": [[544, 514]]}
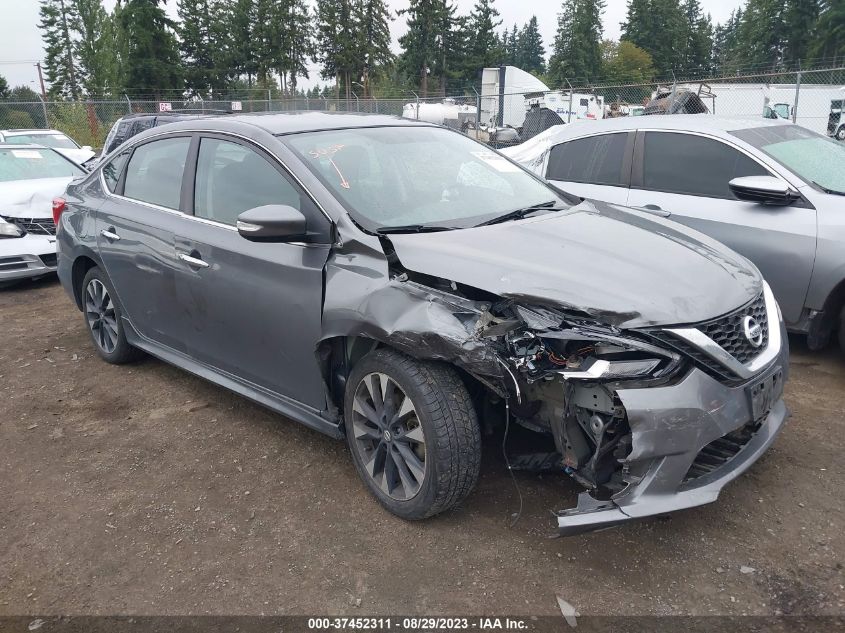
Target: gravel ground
{"points": [[143, 490]]}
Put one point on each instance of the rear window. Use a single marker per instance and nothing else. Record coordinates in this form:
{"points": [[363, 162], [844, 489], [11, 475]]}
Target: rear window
{"points": [[154, 173], [31, 164], [47, 140], [594, 160]]}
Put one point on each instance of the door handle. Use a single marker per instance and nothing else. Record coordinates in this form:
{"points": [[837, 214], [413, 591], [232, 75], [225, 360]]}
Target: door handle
{"points": [[656, 210], [193, 261], [110, 235]]}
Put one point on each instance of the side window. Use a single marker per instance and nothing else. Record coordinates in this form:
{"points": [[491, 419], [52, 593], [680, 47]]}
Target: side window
{"points": [[112, 171], [594, 160], [694, 165], [232, 178], [154, 173]]}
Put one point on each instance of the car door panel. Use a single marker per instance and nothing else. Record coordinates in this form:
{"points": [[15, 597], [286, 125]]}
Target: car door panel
{"points": [[779, 240], [136, 244], [253, 308]]}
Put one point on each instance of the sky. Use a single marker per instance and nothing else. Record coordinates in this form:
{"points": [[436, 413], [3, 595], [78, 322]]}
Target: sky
{"points": [[21, 46]]}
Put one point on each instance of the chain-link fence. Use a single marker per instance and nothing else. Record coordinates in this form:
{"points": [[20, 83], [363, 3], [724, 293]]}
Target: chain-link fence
{"points": [[813, 99]]}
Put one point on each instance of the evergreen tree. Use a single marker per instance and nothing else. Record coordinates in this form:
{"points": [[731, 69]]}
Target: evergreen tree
{"points": [[660, 28], [240, 54], [761, 41], [97, 68], [725, 38], [197, 44], [829, 39], [531, 55], [484, 46], [801, 18], [698, 46], [338, 46], [373, 23], [577, 51], [152, 62], [4, 88], [424, 43], [59, 20]]}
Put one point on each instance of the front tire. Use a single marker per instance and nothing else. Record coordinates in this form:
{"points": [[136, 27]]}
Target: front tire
{"points": [[840, 133], [103, 319], [413, 433]]}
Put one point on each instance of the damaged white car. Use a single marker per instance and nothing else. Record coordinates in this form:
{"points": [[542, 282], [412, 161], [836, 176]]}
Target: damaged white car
{"points": [[398, 284]]}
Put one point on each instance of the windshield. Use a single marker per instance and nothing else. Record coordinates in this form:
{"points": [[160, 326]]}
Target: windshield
{"points": [[29, 164], [816, 158], [417, 176]]}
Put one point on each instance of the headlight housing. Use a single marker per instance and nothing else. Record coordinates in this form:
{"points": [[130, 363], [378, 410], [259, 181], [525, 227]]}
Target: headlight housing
{"points": [[7, 229]]}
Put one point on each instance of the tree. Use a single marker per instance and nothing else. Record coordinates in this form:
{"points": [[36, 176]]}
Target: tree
{"points": [[4, 88], [659, 27], [800, 19], [338, 44], [58, 20], [725, 39], [424, 43], [577, 48], [829, 40], [761, 40], [484, 46], [373, 23], [698, 45], [94, 48], [531, 55], [152, 62], [197, 44], [239, 56], [624, 62]]}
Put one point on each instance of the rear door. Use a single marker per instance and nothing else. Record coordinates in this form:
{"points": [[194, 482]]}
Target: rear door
{"points": [[685, 176], [596, 166], [254, 309], [135, 234]]}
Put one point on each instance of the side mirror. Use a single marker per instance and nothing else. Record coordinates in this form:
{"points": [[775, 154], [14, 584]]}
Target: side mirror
{"points": [[272, 223], [763, 190]]}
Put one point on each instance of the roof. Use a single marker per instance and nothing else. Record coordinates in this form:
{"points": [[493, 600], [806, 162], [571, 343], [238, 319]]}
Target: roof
{"points": [[684, 122], [308, 121]]}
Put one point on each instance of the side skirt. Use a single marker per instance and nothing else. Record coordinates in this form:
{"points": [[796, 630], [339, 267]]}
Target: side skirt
{"points": [[273, 401]]}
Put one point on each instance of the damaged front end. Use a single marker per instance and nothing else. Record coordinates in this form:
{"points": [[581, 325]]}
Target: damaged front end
{"points": [[631, 412]]}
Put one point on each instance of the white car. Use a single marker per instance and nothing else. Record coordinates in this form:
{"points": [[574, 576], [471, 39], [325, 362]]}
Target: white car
{"points": [[30, 177], [49, 138]]}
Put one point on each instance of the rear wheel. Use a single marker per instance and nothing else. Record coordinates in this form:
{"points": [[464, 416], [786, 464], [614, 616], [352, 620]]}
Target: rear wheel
{"points": [[840, 134], [103, 318], [413, 433]]}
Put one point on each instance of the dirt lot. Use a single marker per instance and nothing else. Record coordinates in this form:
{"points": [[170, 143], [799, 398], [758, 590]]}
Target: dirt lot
{"points": [[144, 490]]}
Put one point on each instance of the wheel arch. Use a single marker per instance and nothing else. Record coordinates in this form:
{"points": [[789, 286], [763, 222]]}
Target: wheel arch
{"points": [[82, 263]]}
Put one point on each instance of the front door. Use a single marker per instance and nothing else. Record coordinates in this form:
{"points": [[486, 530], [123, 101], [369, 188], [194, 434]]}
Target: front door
{"points": [[253, 309], [686, 177]]}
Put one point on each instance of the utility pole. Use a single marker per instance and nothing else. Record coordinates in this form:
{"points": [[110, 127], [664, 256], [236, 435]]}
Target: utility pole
{"points": [[41, 81]]}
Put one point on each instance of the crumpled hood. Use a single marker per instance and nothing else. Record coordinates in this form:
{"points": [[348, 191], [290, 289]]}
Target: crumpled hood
{"points": [[622, 267], [31, 198]]}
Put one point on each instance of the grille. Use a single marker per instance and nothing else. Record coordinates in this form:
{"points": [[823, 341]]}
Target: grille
{"points": [[35, 226], [729, 334], [48, 260], [719, 452]]}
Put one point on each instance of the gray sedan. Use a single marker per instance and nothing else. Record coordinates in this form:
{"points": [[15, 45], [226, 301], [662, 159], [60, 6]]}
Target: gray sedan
{"points": [[770, 190], [400, 285]]}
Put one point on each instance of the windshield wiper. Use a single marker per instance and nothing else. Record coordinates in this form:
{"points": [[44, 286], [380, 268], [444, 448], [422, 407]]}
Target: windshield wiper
{"points": [[413, 228], [518, 214], [826, 190]]}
